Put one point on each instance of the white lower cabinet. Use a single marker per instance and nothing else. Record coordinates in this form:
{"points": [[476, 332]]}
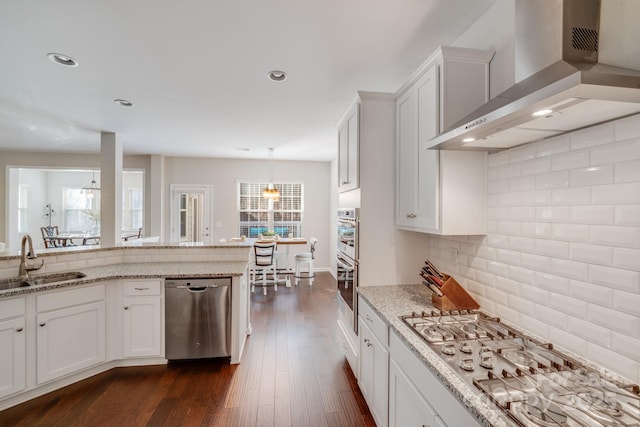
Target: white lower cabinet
{"points": [[70, 331], [12, 346], [373, 377], [142, 318], [407, 407], [417, 397]]}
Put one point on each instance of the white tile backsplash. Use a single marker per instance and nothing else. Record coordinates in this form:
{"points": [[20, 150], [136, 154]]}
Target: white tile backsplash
{"points": [[627, 171], [570, 160], [552, 180], [562, 257], [595, 135], [616, 194], [617, 152], [592, 214], [626, 237], [593, 175]]}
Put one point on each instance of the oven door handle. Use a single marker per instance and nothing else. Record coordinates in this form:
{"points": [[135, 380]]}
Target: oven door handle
{"points": [[344, 265]]}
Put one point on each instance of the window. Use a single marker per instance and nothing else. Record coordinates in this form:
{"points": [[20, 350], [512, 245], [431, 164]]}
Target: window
{"points": [[258, 215], [132, 208], [23, 197], [81, 209]]}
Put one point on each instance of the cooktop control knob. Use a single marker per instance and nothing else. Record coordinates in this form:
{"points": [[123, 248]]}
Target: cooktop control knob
{"points": [[449, 349]]}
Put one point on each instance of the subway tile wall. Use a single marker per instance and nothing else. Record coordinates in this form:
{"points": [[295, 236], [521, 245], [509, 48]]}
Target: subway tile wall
{"points": [[562, 257]]}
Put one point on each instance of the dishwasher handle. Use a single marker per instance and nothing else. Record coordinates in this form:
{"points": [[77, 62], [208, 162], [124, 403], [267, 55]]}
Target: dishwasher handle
{"points": [[197, 288]]}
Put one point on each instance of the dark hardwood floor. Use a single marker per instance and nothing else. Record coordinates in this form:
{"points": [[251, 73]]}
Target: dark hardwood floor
{"points": [[292, 374]]}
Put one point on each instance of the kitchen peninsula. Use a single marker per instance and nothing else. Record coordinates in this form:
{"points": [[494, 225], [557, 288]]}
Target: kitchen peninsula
{"points": [[62, 332]]}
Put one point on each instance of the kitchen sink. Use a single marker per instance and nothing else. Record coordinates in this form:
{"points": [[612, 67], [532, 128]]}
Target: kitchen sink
{"points": [[40, 280]]}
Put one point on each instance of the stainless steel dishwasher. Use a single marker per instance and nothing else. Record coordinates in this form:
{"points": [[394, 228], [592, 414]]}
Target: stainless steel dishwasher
{"points": [[197, 318]]}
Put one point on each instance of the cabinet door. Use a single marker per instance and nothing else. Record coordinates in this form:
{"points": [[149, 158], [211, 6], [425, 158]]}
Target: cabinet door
{"points": [[70, 339], [141, 326], [374, 374], [405, 158], [407, 407], [426, 164], [12, 356], [348, 150]]}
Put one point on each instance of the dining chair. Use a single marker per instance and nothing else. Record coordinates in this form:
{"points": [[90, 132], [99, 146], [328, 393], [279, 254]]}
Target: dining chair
{"points": [[306, 259], [265, 262], [49, 236]]}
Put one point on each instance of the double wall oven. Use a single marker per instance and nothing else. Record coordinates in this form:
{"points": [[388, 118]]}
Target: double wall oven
{"points": [[347, 260]]}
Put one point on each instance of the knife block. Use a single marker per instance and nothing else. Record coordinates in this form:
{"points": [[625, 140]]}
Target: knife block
{"points": [[454, 298]]}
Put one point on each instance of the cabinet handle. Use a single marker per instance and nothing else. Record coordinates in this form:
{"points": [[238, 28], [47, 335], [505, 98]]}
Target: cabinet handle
{"points": [[141, 289], [369, 319], [43, 324], [19, 329], [346, 182], [126, 307]]}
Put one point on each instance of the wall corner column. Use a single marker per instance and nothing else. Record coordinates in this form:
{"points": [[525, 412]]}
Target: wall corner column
{"points": [[111, 189]]}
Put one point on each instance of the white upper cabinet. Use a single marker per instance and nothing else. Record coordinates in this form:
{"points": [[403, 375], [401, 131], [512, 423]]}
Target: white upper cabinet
{"points": [[348, 150], [438, 192]]}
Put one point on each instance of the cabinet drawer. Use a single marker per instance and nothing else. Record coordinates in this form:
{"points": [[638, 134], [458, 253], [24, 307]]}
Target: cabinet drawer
{"points": [[69, 298], [142, 287], [378, 326], [12, 308]]}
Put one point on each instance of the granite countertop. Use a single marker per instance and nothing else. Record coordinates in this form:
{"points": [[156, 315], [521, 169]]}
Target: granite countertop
{"points": [[391, 302], [153, 270]]}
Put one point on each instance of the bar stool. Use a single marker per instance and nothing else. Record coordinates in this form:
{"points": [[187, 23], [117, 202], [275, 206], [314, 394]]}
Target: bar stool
{"points": [[265, 262], [307, 258]]}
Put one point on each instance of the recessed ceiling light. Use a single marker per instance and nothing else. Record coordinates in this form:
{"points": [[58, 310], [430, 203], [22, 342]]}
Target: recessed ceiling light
{"points": [[542, 113], [123, 102], [61, 59], [467, 140], [243, 148], [277, 76]]}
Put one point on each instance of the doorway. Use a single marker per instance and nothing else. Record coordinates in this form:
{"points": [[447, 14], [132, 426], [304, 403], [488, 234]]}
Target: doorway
{"points": [[191, 213]]}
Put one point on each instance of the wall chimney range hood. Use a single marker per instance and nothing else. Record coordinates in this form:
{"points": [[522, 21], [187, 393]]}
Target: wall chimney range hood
{"points": [[576, 65]]}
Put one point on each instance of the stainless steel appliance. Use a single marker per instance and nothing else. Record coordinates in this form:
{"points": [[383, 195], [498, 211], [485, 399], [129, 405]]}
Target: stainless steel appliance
{"points": [[197, 318], [593, 80], [347, 260], [533, 383]]}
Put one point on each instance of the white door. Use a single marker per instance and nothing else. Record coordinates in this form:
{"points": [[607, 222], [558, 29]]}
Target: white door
{"points": [[191, 213]]}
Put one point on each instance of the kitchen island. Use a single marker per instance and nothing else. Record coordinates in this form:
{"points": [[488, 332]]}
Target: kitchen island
{"points": [[65, 331]]}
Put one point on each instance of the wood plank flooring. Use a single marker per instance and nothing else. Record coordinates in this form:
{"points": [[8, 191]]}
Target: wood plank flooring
{"points": [[292, 374]]}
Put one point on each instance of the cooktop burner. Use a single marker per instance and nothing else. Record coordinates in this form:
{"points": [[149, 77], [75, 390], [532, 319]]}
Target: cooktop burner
{"points": [[533, 383]]}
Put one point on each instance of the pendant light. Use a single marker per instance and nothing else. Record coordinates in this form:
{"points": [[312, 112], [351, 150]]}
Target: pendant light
{"points": [[270, 192], [92, 187]]}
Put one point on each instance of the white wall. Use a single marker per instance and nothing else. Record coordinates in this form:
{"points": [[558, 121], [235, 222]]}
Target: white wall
{"points": [[495, 30], [562, 257], [223, 174]]}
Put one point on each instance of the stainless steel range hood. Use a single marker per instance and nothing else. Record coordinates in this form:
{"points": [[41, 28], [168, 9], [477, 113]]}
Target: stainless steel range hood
{"points": [[577, 90]]}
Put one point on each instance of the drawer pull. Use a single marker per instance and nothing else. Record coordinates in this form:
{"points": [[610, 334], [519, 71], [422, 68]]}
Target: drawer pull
{"points": [[43, 324], [369, 319], [126, 307], [19, 329], [141, 289]]}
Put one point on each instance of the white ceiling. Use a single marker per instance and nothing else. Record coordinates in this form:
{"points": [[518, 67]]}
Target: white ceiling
{"points": [[197, 70]]}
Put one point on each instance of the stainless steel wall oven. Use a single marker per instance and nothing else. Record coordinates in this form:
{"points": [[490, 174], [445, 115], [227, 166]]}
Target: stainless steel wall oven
{"points": [[347, 260]]}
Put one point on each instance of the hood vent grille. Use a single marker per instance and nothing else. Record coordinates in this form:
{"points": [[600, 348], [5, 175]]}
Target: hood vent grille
{"points": [[584, 39]]}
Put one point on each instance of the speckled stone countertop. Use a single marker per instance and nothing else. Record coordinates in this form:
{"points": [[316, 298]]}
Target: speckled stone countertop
{"points": [[151, 270], [391, 302]]}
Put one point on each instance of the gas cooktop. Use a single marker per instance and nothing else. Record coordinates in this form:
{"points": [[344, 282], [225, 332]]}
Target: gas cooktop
{"points": [[533, 383]]}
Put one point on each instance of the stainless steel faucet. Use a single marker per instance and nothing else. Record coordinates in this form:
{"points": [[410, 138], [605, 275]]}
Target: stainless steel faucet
{"points": [[23, 272]]}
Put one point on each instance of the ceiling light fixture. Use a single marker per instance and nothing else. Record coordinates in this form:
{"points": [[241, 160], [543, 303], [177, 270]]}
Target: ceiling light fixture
{"points": [[92, 187], [123, 102], [270, 192], [277, 76], [61, 59], [542, 113]]}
